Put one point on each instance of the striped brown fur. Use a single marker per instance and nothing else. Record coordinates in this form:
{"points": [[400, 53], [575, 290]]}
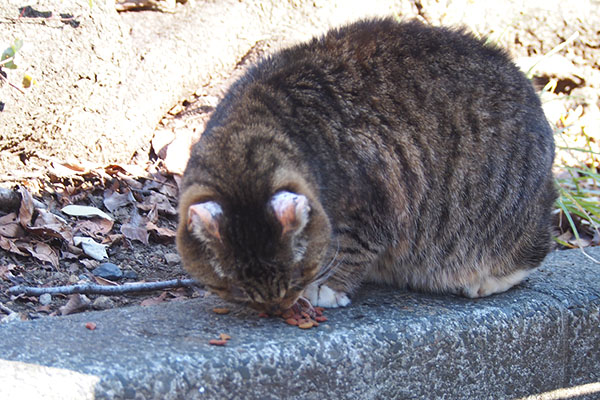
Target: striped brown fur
{"points": [[420, 156]]}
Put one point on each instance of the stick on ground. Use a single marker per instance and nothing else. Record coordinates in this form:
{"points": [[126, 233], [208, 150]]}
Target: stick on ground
{"points": [[90, 288]]}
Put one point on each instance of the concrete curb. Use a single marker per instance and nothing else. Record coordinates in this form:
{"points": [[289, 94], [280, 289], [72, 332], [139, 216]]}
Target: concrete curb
{"points": [[540, 337]]}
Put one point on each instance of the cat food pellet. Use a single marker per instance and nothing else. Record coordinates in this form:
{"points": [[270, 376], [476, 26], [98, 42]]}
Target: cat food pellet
{"points": [[90, 325], [263, 315], [306, 325], [224, 336], [221, 311], [303, 315], [217, 342]]}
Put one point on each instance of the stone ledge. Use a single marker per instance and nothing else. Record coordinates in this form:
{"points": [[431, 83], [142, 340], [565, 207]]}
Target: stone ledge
{"points": [[539, 337]]}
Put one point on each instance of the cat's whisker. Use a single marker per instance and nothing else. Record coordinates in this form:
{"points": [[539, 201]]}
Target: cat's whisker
{"points": [[324, 277], [330, 268]]}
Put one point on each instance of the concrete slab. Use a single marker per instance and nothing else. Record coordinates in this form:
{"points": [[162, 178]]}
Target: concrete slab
{"points": [[539, 339]]}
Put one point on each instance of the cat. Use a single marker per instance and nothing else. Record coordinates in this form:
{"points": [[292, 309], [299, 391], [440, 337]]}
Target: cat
{"points": [[383, 151]]}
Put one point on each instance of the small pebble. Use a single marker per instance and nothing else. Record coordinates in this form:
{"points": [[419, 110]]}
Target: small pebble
{"points": [[172, 259], [108, 271], [45, 299], [103, 303], [130, 274]]}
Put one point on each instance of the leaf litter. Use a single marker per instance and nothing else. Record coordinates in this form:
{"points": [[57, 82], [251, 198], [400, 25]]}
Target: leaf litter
{"points": [[81, 215]]}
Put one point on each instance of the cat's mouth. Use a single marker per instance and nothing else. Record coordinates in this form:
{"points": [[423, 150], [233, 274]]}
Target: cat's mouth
{"points": [[272, 306], [277, 306]]}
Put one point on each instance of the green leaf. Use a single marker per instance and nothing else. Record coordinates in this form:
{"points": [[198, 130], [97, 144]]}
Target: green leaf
{"points": [[9, 54], [17, 45]]}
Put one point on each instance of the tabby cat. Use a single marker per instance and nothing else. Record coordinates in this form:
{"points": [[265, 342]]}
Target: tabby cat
{"points": [[382, 151]]}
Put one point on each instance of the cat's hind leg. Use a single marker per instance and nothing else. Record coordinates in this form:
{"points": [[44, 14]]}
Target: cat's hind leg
{"points": [[489, 284]]}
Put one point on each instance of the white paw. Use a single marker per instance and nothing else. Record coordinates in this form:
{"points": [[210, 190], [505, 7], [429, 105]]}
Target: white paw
{"points": [[324, 296]]}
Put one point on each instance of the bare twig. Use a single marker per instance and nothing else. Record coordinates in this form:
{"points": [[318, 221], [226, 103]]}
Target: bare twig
{"points": [[90, 288], [6, 80], [6, 309]]}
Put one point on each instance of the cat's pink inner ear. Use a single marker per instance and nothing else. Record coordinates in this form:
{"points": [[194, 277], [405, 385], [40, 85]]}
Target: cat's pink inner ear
{"points": [[291, 210], [203, 219]]}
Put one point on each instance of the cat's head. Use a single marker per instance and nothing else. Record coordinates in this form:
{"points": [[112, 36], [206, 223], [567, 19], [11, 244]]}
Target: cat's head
{"points": [[262, 251]]}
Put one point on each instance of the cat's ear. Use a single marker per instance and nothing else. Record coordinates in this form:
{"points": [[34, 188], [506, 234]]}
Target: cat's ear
{"points": [[291, 210], [204, 219]]}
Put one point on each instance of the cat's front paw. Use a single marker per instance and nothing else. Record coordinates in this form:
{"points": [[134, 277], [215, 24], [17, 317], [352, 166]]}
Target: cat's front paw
{"points": [[324, 296]]}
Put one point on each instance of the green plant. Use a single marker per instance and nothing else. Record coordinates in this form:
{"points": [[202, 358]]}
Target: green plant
{"points": [[579, 190], [8, 55], [7, 61]]}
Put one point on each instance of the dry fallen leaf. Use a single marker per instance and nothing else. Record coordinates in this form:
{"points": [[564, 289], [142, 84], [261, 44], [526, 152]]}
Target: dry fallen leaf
{"points": [[160, 201], [93, 249], [26, 210], [45, 308], [169, 189], [89, 264], [6, 271], [161, 233], [77, 303], [155, 300], [85, 211], [135, 229], [10, 246], [97, 228], [10, 226], [37, 249], [48, 225], [43, 252], [114, 200], [104, 282]]}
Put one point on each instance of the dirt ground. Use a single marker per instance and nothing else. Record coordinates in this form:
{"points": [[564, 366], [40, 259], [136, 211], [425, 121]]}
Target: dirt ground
{"points": [[142, 199]]}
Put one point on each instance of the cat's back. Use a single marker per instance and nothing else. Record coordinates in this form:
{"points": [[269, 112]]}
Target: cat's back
{"points": [[381, 103], [382, 65]]}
